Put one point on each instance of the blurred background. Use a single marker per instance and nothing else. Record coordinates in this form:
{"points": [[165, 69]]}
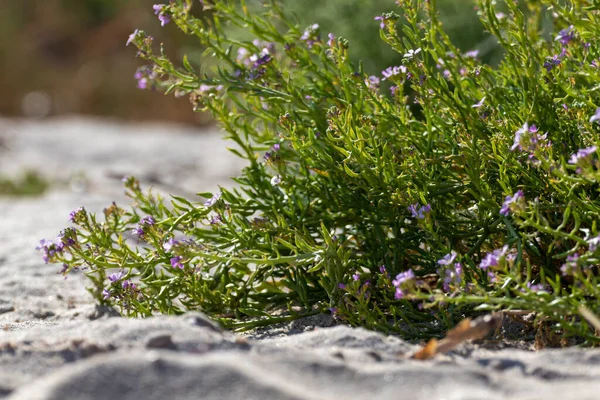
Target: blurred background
{"points": [[62, 57]]}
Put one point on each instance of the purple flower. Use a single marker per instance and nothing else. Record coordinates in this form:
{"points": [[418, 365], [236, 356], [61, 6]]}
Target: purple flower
{"points": [[256, 61], [570, 266], [403, 283], [311, 35], [208, 89], [105, 294], [528, 139], [472, 54], [565, 35], [272, 154], [421, 212], [536, 287], [510, 200], [77, 215], [260, 60], [127, 284], [551, 62], [596, 116], [144, 77], [51, 248], [381, 19], [393, 71], [448, 258], [393, 90], [143, 225], [382, 269], [139, 232], [582, 157], [169, 244], [115, 277], [163, 17], [451, 276], [142, 83], [176, 262], [213, 200], [519, 135], [331, 40], [132, 37], [403, 277], [493, 259], [355, 277], [372, 82], [342, 286], [215, 220], [593, 243], [147, 220]]}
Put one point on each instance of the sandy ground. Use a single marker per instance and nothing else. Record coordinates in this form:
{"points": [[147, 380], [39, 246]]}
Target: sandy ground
{"points": [[55, 343]]}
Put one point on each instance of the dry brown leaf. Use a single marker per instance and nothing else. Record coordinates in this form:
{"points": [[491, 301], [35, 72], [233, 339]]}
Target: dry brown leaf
{"points": [[467, 329]]}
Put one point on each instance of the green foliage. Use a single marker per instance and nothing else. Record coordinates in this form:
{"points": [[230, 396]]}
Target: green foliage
{"points": [[463, 189], [29, 184]]}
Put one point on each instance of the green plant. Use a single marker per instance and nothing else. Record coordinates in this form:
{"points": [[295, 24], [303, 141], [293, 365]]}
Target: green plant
{"points": [[30, 183], [465, 187]]}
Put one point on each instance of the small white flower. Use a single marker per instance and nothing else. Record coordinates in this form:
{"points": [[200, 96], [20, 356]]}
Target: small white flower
{"points": [[276, 180], [411, 53]]}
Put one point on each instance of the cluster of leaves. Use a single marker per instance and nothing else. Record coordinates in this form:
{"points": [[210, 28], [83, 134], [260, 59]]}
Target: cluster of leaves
{"points": [[441, 188]]}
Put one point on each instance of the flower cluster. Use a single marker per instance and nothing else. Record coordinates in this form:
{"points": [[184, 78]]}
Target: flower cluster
{"points": [[420, 213], [552, 62], [565, 36], [495, 260], [373, 82], [161, 11], [78, 216], [450, 271], [583, 158], [571, 266], [256, 61], [513, 203], [53, 248], [119, 288], [145, 223], [144, 76], [311, 35], [50, 248], [403, 283], [528, 139], [391, 72], [272, 155]]}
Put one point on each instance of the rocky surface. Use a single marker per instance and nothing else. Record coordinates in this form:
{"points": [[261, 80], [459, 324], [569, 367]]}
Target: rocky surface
{"points": [[55, 344]]}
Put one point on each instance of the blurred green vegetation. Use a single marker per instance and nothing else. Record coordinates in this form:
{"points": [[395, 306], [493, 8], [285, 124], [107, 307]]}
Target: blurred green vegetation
{"points": [[29, 184], [354, 20], [69, 56]]}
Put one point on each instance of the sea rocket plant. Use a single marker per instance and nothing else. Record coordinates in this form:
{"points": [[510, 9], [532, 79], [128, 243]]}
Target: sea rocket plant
{"points": [[383, 198]]}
